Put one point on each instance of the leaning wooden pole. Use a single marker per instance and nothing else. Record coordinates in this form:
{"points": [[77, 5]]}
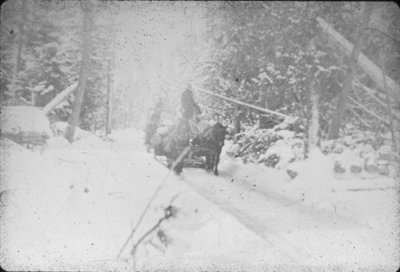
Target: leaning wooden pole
{"points": [[240, 103], [391, 117], [201, 90], [338, 115], [370, 68]]}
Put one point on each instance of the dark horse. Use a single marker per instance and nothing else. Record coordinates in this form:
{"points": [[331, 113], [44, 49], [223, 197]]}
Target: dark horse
{"points": [[209, 144]]}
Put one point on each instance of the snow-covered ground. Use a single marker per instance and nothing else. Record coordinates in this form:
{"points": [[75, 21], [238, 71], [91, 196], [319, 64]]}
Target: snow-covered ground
{"points": [[73, 206]]}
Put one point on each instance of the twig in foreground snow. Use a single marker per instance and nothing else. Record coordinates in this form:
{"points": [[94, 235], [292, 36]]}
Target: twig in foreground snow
{"points": [[174, 164], [169, 212]]}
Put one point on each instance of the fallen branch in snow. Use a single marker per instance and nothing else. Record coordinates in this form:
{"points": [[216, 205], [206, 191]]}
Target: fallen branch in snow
{"points": [[156, 246], [65, 160], [174, 164], [372, 189], [169, 212]]}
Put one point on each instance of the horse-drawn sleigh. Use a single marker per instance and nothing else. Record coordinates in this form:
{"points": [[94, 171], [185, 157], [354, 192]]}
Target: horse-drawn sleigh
{"points": [[202, 147], [188, 141]]}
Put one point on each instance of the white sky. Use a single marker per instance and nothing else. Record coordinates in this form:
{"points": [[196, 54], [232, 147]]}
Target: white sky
{"points": [[157, 41], [153, 41]]}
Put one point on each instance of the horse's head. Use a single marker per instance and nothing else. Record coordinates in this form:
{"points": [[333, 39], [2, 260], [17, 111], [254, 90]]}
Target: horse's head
{"points": [[219, 132]]}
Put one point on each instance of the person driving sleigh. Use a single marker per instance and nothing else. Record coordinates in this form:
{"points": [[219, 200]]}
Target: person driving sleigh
{"points": [[190, 111]]}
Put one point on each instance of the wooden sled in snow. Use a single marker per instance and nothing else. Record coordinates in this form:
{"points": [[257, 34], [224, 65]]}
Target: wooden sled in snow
{"points": [[191, 160]]}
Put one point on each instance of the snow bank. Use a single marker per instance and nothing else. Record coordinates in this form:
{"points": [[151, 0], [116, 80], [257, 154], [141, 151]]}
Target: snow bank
{"points": [[19, 119], [82, 139], [25, 125], [358, 154], [73, 203], [73, 207], [361, 153]]}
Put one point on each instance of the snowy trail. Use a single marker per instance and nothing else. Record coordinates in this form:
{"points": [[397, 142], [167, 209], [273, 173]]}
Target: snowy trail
{"points": [[267, 218], [301, 232], [83, 200], [248, 208], [306, 235]]}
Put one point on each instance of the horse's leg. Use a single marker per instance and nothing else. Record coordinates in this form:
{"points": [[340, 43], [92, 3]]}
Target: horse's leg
{"points": [[216, 162], [179, 165], [169, 163], [178, 168], [208, 162]]}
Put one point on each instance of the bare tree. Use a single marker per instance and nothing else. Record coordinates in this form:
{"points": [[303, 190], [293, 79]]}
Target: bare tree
{"points": [[109, 99], [20, 21], [388, 105], [263, 103], [84, 71]]}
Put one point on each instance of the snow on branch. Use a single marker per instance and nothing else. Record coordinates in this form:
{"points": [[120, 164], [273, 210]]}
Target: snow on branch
{"points": [[370, 92], [60, 98], [370, 68], [359, 105], [361, 119], [376, 98]]}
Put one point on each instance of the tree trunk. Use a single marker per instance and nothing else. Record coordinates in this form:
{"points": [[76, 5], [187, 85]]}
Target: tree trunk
{"points": [[313, 119], [129, 105], [19, 46], [314, 122], [236, 120], [337, 118], [33, 98], [109, 99], [84, 71], [388, 102], [263, 122]]}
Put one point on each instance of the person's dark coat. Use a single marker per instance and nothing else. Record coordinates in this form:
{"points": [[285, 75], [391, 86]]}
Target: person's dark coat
{"points": [[189, 106]]}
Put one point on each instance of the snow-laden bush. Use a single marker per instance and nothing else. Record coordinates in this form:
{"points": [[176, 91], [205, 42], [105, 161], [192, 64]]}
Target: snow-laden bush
{"points": [[274, 147]]}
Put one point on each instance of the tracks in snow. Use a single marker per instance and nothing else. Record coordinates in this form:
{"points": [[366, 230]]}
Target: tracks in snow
{"points": [[267, 215]]}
